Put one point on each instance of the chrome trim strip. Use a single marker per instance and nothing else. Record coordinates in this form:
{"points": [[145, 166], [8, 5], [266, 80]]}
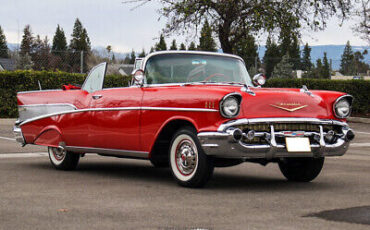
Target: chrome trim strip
{"points": [[17, 131], [52, 104], [246, 121], [39, 91], [112, 152], [119, 109]]}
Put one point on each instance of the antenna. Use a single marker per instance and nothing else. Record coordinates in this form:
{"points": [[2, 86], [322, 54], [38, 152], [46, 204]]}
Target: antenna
{"points": [[39, 85]]}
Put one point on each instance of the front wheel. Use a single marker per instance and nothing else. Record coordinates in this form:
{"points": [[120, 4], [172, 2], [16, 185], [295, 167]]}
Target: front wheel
{"points": [[301, 169], [190, 166], [62, 159]]}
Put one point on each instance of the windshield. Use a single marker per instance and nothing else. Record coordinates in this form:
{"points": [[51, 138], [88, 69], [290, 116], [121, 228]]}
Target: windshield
{"points": [[188, 68]]}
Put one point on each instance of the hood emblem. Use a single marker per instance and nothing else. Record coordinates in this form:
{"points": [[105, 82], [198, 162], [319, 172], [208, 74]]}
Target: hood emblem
{"points": [[290, 107]]}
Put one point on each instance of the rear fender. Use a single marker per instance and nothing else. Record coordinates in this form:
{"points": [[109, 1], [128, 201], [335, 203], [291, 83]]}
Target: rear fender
{"points": [[49, 136]]}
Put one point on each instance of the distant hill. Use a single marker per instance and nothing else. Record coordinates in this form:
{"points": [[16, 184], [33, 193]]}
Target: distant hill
{"points": [[334, 52]]}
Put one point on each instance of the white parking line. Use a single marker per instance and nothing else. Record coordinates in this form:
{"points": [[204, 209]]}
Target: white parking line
{"points": [[360, 144], [22, 155], [362, 132], [7, 138]]}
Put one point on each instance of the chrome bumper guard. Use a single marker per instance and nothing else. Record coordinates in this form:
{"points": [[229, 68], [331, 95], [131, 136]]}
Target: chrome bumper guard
{"points": [[17, 131], [224, 144]]}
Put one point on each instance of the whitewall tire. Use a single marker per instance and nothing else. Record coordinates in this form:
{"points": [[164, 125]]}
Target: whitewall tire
{"points": [[190, 166], [62, 159]]}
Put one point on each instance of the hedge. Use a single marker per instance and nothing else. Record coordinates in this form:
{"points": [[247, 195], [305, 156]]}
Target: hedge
{"points": [[15, 81]]}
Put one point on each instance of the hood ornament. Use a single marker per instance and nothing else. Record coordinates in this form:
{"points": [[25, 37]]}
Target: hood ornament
{"points": [[290, 107], [305, 90]]}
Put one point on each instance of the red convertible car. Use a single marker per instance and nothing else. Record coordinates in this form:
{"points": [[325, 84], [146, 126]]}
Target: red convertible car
{"points": [[191, 111]]}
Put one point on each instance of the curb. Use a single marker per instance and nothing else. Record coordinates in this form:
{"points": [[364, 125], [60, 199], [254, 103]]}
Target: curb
{"points": [[359, 120], [10, 121]]}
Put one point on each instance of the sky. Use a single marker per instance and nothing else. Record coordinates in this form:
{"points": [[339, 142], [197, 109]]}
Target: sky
{"points": [[109, 22]]}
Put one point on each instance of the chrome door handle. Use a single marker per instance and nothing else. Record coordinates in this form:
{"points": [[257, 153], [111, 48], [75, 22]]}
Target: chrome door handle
{"points": [[97, 96]]}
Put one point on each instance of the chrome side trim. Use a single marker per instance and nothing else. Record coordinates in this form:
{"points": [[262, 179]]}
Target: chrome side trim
{"points": [[245, 121], [35, 110], [111, 152], [118, 109], [39, 91]]}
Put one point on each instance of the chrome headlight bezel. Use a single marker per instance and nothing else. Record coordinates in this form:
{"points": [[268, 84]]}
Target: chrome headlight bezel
{"points": [[229, 99], [343, 99]]}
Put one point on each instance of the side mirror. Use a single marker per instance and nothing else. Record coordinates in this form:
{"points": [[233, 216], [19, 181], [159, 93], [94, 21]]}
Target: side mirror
{"points": [[138, 77], [259, 79]]}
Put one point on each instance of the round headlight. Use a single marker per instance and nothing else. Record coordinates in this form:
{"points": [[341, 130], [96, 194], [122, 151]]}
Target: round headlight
{"points": [[342, 107], [229, 107]]}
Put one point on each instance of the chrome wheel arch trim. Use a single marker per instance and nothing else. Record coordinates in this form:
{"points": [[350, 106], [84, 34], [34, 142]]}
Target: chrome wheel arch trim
{"points": [[118, 109]]}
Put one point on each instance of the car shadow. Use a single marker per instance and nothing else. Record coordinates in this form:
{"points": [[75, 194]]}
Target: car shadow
{"points": [[143, 171]]}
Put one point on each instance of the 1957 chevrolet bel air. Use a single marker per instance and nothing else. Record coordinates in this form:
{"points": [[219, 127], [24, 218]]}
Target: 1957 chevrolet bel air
{"points": [[192, 111]]}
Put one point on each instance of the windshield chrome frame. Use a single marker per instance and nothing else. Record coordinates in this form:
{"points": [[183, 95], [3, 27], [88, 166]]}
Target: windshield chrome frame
{"points": [[188, 52]]}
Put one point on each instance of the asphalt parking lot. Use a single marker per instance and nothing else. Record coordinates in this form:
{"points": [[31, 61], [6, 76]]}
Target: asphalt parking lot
{"points": [[112, 193]]}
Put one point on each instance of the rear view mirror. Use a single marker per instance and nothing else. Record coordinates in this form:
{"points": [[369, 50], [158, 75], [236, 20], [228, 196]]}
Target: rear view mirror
{"points": [[138, 77], [259, 79]]}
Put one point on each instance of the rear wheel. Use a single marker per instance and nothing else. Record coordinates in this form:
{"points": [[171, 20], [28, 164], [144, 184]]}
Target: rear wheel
{"points": [[190, 166], [301, 169], [62, 159]]}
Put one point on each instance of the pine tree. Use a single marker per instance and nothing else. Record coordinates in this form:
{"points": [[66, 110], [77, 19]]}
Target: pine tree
{"points": [[325, 72], [182, 46], [289, 45], [142, 54], [347, 63], [173, 45], [206, 41], [59, 42], [132, 57], [27, 41], [192, 46], [306, 59], [4, 51], [283, 69], [318, 70], [80, 42], [41, 54], [161, 45], [247, 49], [271, 57], [151, 49]]}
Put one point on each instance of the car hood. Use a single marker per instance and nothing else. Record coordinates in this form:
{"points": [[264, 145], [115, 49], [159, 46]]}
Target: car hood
{"points": [[278, 102]]}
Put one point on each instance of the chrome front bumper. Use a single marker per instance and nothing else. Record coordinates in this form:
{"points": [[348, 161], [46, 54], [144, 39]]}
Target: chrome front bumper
{"points": [[17, 131], [223, 143]]}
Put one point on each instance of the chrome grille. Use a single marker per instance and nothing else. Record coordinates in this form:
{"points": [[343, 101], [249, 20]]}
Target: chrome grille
{"points": [[285, 127]]}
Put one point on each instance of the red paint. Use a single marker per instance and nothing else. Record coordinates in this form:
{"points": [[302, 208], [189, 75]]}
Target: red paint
{"points": [[138, 129]]}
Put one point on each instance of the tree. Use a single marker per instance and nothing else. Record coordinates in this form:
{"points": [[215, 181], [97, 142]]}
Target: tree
{"points": [[142, 54], [347, 65], [173, 45], [318, 70], [80, 42], [289, 45], [27, 41], [271, 57], [132, 57], [362, 14], [247, 49], [192, 46], [41, 54], [161, 45], [59, 42], [232, 19], [306, 59], [325, 71], [182, 46], [3, 46], [206, 41], [359, 65], [151, 49], [283, 69]]}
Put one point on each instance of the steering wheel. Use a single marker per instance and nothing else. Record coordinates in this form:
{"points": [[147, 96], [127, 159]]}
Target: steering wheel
{"points": [[217, 75]]}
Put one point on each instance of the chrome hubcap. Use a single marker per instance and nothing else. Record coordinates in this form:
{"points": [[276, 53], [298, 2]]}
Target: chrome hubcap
{"points": [[186, 158], [58, 153]]}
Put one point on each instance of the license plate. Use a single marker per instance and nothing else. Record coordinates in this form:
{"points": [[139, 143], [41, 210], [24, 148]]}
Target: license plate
{"points": [[298, 144]]}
